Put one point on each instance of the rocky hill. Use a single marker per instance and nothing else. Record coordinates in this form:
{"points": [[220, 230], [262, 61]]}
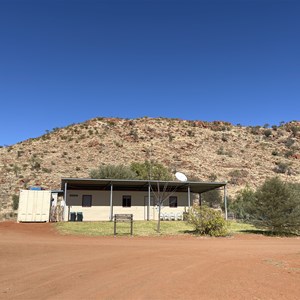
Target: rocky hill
{"points": [[202, 150]]}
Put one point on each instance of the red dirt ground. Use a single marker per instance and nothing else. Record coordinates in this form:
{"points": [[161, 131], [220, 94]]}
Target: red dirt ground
{"points": [[38, 263]]}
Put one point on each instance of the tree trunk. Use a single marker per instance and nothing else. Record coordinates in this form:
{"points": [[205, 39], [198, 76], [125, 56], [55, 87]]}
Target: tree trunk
{"points": [[158, 222]]}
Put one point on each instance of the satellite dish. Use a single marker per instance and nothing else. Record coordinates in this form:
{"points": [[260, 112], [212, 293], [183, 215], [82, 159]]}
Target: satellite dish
{"points": [[180, 176]]}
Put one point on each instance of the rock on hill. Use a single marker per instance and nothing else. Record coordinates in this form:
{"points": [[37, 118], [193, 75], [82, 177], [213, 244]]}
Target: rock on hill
{"points": [[203, 150]]}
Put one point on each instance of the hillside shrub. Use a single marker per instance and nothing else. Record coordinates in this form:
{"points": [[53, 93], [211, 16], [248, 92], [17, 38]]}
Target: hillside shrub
{"points": [[295, 130], [15, 204], [255, 130], [238, 176], [267, 132], [282, 167], [289, 153], [207, 221], [289, 143]]}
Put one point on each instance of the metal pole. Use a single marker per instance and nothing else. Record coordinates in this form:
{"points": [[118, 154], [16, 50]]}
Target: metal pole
{"points": [[189, 196], [225, 201], [149, 197], [111, 202], [65, 199]]}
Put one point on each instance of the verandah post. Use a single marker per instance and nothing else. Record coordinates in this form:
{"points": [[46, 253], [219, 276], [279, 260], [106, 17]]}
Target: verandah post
{"points": [[189, 196], [225, 201], [149, 195], [111, 202]]}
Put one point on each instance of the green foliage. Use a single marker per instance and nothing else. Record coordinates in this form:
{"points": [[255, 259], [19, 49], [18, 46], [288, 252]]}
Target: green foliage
{"points": [[15, 199], [295, 130], [242, 206], [289, 143], [255, 130], [16, 169], [151, 170], [207, 221], [289, 153], [144, 171], [212, 198], [35, 162], [222, 151], [46, 170], [238, 176], [212, 177], [276, 206], [267, 132], [282, 168], [113, 172]]}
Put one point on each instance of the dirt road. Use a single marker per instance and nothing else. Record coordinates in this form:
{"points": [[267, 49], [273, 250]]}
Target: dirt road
{"points": [[38, 263]]}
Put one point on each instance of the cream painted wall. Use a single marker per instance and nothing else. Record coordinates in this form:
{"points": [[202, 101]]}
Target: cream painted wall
{"points": [[100, 210]]}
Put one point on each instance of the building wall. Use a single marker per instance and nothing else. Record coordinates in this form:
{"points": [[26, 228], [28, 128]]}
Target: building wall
{"points": [[100, 209]]}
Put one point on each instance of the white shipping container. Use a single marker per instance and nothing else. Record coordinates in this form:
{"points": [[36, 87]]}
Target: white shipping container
{"points": [[34, 206]]}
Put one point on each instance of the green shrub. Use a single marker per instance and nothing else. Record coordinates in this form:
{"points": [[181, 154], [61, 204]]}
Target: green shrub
{"points": [[289, 143], [242, 206], [238, 176], [282, 167], [255, 130], [46, 170], [289, 153], [267, 132], [212, 198], [276, 206], [15, 199], [207, 221], [35, 162], [295, 130]]}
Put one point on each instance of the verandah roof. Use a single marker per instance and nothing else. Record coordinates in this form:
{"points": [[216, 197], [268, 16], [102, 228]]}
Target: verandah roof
{"points": [[138, 185]]}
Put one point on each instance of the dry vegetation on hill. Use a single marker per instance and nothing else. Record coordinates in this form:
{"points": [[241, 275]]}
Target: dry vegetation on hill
{"points": [[202, 150]]}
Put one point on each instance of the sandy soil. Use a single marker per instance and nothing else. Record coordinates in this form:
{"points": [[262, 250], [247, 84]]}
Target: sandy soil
{"points": [[38, 263]]}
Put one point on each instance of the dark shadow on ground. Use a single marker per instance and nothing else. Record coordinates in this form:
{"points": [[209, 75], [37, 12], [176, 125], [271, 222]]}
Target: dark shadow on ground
{"points": [[269, 233]]}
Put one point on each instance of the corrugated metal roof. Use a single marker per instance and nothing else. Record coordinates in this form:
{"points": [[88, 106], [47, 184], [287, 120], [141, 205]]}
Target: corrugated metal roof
{"points": [[138, 185]]}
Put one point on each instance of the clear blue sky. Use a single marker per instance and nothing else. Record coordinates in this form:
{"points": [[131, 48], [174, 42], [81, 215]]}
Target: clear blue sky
{"points": [[64, 62]]}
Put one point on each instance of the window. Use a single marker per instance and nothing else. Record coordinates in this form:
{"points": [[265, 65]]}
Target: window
{"points": [[126, 201], [86, 200], [173, 201]]}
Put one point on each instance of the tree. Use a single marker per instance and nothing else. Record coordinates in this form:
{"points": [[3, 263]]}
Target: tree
{"points": [[242, 206], [212, 198], [150, 170], [113, 172], [276, 206]]}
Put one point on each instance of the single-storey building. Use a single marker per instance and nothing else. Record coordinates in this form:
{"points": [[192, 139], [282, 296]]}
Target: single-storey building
{"points": [[100, 199]]}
